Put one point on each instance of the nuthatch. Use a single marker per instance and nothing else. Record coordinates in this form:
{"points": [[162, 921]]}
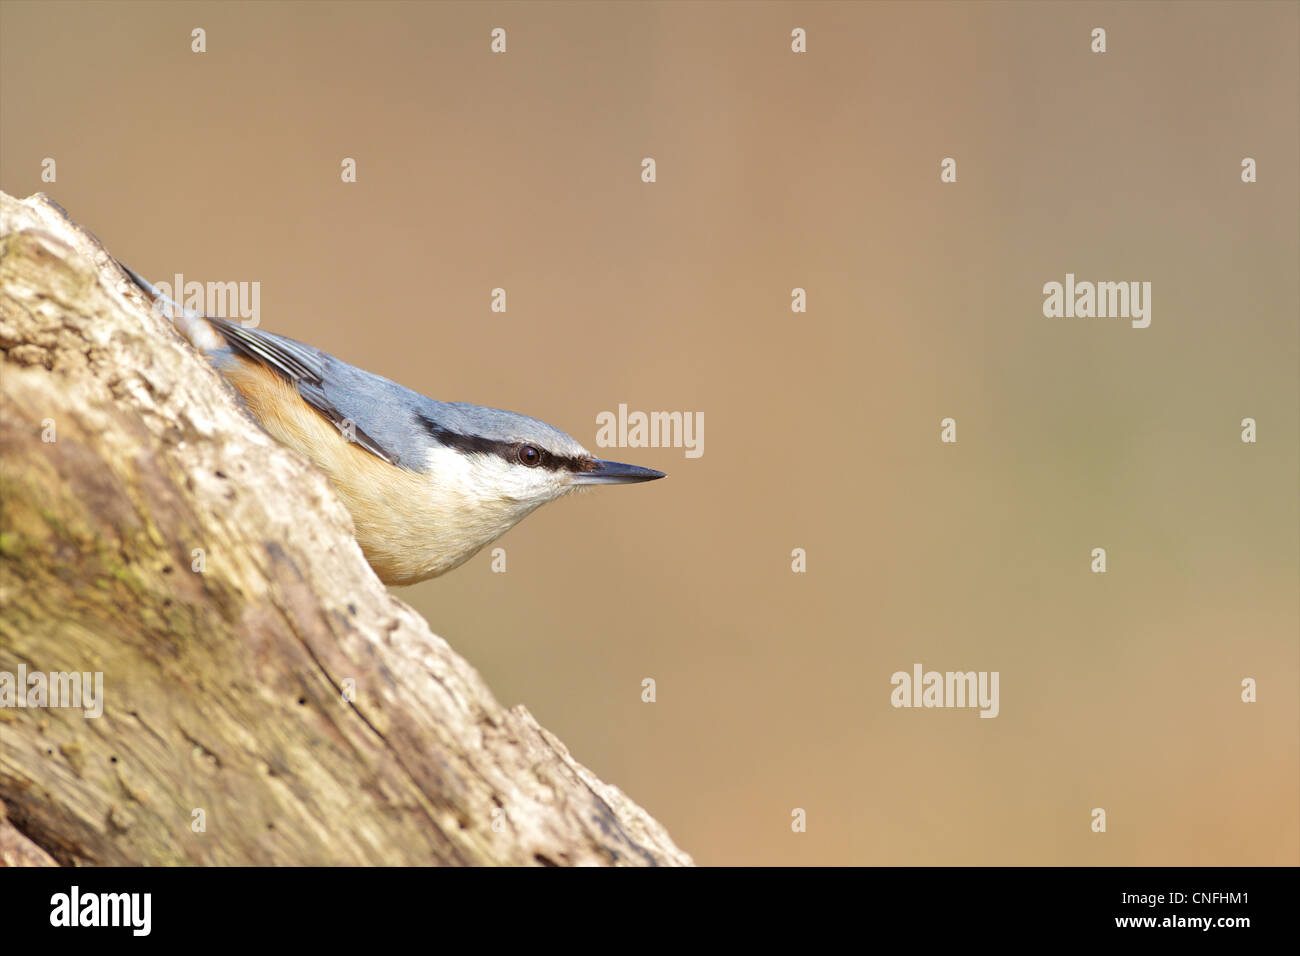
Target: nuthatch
{"points": [[428, 483]]}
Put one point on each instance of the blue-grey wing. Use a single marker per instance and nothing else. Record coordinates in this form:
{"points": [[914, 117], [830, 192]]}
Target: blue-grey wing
{"points": [[312, 372]]}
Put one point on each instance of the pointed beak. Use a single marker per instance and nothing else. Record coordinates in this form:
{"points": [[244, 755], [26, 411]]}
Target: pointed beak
{"points": [[613, 473]]}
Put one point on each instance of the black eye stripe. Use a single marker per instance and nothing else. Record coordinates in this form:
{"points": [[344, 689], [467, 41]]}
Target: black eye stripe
{"points": [[477, 444]]}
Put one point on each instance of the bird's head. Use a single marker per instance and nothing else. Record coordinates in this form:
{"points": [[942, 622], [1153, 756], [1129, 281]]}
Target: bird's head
{"points": [[510, 461]]}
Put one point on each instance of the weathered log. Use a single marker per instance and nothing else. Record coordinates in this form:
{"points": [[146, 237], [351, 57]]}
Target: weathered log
{"points": [[265, 699]]}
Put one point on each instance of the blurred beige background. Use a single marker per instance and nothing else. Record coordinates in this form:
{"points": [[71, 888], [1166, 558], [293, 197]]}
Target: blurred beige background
{"points": [[778, 170]]}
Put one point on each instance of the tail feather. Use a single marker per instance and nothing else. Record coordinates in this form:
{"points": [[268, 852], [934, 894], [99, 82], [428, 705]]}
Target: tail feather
{"points": [[193, 325]]}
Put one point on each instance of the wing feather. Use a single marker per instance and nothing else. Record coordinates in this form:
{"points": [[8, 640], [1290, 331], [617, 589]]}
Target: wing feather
{"points": [[302, 367]]}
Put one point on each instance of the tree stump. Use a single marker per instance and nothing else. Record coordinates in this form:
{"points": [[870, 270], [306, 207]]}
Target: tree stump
{"points": [[265, 700]]}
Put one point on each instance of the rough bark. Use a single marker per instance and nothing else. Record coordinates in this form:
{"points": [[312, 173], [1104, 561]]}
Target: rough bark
{"points": [[281, 690]]}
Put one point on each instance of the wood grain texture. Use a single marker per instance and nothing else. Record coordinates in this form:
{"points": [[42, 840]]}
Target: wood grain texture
{"points": [[225, 688]]}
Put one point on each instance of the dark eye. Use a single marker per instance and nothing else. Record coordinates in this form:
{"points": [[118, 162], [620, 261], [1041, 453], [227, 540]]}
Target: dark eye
{"points": [[529, 455]]}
